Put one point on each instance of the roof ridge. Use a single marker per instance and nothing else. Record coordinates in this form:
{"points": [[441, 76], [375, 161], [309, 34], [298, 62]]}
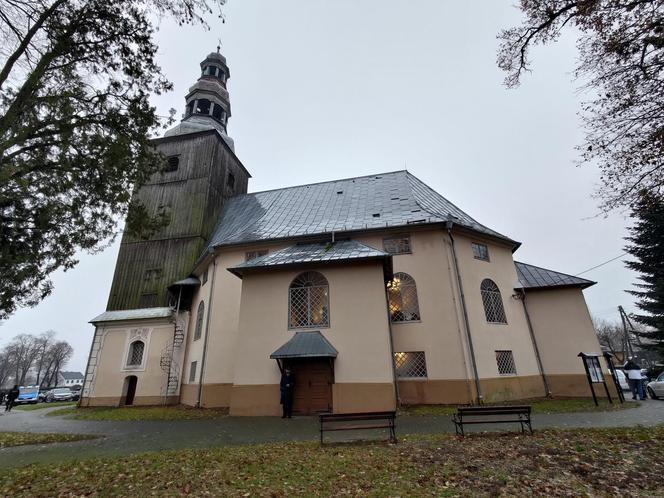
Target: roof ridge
{"points": [[325, 181], [554, 271]]}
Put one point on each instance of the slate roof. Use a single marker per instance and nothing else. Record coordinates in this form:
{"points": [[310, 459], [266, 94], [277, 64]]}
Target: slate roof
{"points": [[368, 202], [139, 314], [342, 250], [72, 375], [534, 277], [306, 345]]}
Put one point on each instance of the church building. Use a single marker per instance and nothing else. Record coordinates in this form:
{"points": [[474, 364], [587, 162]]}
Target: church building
{"points": [[375, 291]]}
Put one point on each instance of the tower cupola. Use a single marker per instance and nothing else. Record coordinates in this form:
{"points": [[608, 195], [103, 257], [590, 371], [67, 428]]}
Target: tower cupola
{"points": [[207, 102]]}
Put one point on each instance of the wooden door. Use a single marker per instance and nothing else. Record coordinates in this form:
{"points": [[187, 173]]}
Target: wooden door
{"points": [[313, 386]]}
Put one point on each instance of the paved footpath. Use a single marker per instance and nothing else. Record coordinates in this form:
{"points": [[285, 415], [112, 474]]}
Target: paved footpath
{"points": [[121, 438]]}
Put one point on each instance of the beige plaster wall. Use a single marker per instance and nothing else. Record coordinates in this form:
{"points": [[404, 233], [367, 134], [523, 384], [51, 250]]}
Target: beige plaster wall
{"points": [[111, 370], [489, 337], [563, 328], [438, 333], [358, 330]]}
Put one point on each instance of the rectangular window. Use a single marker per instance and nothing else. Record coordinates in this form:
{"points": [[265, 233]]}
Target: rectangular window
{"points": [[147, 300], [505, 361], [255, 254], [152, 274], [204, 277], [230, 181], [397, 245], [410, 365], [192, 371], [480, 251]]}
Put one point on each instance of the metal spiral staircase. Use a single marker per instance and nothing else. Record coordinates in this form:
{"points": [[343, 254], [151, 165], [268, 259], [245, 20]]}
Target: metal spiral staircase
{"points": [[168, 363]]}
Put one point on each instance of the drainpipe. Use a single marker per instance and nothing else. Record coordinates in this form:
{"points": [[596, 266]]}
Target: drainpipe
{"points": [[547, 389], [473, 361], [207, 333], [394, 369]]}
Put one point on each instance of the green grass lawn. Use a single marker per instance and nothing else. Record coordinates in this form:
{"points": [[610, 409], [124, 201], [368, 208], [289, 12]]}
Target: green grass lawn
{"points": [[139, 413], [41, 406], [538, 406], [8, 439], [593, 462]]}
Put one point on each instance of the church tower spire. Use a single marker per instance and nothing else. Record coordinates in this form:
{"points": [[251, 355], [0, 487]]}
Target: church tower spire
{"points": [[207, 102]]}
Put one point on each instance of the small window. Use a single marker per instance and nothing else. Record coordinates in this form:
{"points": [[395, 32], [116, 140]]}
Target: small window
{"points": [[217, 111], [397, 245], [204, 277], [505, 361], [135, 357], [309, 301], [152, 275], [480, 251], [254, 254], [410, 365], [230, 181], [402, 294], [203, 106], [199, 321], [190, 108], [148, 300], [493, 302], [192, 371], [172, 164]]}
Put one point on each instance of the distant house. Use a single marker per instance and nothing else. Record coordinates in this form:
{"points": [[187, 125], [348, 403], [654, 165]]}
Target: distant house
{"points": [[70, 379]]}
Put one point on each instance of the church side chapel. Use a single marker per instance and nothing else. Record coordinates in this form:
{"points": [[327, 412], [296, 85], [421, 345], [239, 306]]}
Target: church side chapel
{"points": [[374, 291]]}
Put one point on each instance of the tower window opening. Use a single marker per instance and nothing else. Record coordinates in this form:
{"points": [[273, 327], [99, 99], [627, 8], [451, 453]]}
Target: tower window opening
{"points": [[172, 163], [230, 181], [203, 106], [217, 112], [190, 108]]}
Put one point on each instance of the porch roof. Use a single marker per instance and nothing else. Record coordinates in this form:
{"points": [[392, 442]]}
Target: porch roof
{"points": [[139, 314], [319, 252], [309, 344]]}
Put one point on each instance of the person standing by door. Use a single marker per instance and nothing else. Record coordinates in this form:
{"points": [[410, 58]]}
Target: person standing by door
{"points": [[11, 398], [287, 389]]}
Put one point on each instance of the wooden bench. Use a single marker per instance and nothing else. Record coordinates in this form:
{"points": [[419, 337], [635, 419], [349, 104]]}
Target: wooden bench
{"points": [[358, 421], [519, 414]]}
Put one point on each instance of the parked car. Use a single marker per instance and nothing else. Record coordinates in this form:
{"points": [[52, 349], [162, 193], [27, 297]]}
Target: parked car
{"points": [[27, 394], [622, 380], [656, 387], [59, 394]]}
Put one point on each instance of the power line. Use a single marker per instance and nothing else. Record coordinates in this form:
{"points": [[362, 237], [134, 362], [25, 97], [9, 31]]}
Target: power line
{"points": [[601, 264]]}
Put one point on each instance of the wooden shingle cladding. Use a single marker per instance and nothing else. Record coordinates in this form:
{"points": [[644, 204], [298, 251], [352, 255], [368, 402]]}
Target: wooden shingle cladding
{"points": [[192, 197]]}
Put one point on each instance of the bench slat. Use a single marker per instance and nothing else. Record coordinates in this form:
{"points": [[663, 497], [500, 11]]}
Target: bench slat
{"points": [[353, 427]]}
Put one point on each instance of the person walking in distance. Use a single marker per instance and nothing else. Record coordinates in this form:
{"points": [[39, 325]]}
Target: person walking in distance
{"points": [[287, 388], [11, 398], [633, 371]]}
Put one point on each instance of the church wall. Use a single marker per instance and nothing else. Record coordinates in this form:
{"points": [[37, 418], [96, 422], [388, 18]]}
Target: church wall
{"points": [[563, 328], [491, 337], [111, 369], [358, 330]]}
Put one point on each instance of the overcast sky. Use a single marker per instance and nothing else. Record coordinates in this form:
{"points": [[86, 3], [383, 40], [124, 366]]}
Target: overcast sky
{"points": [[322, 90]]}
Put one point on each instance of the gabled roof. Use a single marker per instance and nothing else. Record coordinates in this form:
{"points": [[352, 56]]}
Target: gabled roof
{"points": [[534, 277], [396, 199], [324, 252], [139, 314], [306, 345], [72, 375]]}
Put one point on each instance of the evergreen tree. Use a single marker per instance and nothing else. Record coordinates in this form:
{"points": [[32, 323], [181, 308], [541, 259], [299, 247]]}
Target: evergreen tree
{"points": [[647, 247]]}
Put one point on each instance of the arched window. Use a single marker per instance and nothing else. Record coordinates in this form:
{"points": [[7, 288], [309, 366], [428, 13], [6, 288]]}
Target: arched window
{"points": [[309, 301], [199, 321], [493, 302], [402, 292], [135, 357]]}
